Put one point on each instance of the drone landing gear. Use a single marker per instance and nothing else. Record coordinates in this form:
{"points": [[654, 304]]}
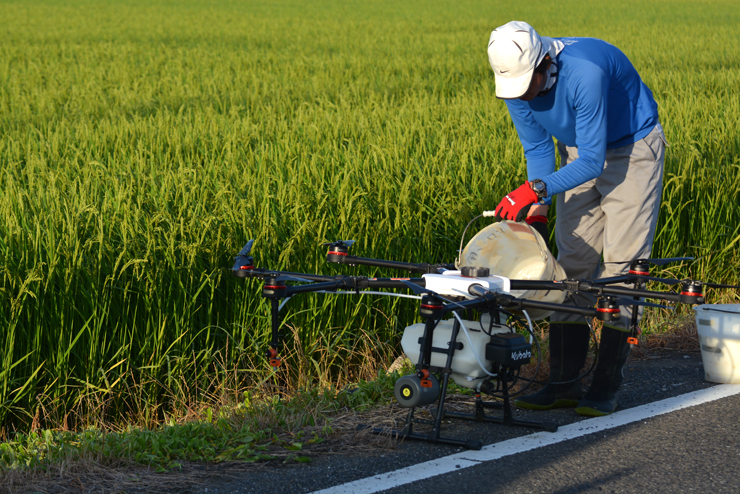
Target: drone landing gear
{"points": [[409, 394], [435, 435], [479, 415]]}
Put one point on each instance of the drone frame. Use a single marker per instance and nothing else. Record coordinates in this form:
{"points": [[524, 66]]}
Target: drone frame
{"points": [[432, 309]]}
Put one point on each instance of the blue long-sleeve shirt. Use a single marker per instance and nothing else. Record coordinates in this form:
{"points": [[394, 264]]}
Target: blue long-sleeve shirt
{"points": [[597, 103]]}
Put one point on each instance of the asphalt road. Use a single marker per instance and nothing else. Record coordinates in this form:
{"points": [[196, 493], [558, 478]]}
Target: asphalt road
{"points": [[690, 450]]}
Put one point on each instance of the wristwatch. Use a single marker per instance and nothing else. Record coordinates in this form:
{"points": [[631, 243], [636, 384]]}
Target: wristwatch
{"points": [[539, 188]]}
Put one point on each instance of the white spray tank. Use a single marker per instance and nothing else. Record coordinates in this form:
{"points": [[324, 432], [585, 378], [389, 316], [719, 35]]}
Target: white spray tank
{"points": [[516, 251], [466, 371]]}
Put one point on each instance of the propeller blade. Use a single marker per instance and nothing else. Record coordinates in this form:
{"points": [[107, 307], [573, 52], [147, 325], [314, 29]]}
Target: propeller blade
{"points": [[243, 258], [656, 261], [625, 279], [667, 281], [346, 243], [627, 301], [668, 260], [720, 285], [246, 249]]}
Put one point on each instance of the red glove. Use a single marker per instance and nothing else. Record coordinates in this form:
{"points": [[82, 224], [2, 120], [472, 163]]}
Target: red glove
{"points": [[516, 204]]}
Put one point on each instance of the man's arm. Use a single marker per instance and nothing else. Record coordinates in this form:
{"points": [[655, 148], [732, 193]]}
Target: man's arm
{"points": [[539, 149]]}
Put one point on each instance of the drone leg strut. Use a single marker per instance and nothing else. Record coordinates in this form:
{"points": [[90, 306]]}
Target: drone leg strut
{"points": [[508, 416], [434, 436], [272, 353], [634, 328]]}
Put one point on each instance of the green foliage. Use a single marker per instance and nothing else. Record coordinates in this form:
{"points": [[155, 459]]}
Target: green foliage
{"points": [[143, 143], [248, 432]]}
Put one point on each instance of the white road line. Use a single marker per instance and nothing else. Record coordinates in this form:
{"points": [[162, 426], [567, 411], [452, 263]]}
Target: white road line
{"points": [[495, 451]]}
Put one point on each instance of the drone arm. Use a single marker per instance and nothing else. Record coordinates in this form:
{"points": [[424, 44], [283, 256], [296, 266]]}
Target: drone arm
{"points": [[511, 302], [485, 297], [617, 279], [508, 301], [353, 283], [326, 286], [394, 282], [571, 285], [600, 289], [630, 292], [266, 273]]}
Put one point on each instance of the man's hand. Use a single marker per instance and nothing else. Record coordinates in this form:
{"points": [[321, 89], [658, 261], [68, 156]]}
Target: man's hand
{"points": [[516, 204]]}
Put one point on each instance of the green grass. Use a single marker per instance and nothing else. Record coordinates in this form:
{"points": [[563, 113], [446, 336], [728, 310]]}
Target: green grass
{"points": [[252, 430], [143, 143]]}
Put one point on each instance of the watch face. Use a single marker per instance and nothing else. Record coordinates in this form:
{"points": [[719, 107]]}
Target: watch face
{"points": [[539, 187]]}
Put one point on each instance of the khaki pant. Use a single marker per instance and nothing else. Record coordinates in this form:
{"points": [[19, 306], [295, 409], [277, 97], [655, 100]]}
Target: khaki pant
{"points": [[614, 215]]}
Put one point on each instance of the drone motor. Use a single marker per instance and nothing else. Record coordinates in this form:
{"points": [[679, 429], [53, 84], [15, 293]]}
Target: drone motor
{"points": [[640, 267], [274, 288], [692, 292], [607, 308], [337, 250]]}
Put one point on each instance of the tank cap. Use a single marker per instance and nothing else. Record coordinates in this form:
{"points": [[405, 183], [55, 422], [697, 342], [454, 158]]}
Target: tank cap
{"points": [[475, 271]]}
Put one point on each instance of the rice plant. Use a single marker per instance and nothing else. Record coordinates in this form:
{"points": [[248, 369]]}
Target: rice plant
{"points": [[142, 144]]}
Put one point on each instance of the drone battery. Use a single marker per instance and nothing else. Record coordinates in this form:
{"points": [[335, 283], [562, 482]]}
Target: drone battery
{"points": [[509, 350]]}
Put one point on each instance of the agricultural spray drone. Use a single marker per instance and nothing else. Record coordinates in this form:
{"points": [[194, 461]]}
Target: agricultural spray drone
{"points": [[481, 352]]}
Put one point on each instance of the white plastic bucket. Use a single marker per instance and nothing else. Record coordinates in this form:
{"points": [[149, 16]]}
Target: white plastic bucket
{"points": [[718, 326], [516, 251]]}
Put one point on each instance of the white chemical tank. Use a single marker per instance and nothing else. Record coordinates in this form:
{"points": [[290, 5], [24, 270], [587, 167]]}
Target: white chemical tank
{"points": [[516, 251], [466, 371]]}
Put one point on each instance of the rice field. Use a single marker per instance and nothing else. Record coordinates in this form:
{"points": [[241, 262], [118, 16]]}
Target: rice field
{"points": [[143, 143]]}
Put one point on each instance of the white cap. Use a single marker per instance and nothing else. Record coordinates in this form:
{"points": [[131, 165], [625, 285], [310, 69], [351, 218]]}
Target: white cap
{"points": [[513, 52]]}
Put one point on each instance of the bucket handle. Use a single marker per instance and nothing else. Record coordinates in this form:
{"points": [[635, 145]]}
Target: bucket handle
{"points": [[710, 309]]}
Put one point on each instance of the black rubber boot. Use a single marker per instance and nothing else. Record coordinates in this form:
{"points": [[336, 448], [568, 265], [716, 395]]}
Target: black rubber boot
{"points": [[603, 395], [568, 348]]}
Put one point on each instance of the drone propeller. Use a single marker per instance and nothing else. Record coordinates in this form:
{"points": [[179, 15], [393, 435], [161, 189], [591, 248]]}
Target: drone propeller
{"points": [[720, 285], [246, 249], [655, 261], [337, 243], [243, 261], [667, 281], [671, 281]]}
